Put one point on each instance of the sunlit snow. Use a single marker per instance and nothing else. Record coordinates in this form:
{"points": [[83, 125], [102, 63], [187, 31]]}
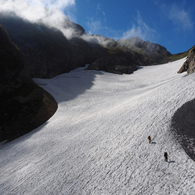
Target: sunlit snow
{"points": [[96, 143]]}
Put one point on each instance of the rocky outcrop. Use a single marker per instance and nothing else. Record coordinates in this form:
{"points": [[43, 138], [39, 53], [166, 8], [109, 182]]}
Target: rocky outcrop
{"points": [[189, 64], [117, 64], [24, 105], [12, 71], [182, 124]]}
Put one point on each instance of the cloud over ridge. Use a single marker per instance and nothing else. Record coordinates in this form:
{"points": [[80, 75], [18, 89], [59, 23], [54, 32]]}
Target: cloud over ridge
{"points": [[48, 12], [140, 29], [180, 17]]}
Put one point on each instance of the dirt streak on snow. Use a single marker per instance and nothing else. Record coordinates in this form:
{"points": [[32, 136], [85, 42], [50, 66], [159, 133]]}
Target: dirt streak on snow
{"points": [[96, 143]]}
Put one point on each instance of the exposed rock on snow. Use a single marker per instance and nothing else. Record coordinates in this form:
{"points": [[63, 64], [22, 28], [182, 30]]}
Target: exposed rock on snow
{"points": [[114, 64], [183, 124], [189, 64]]}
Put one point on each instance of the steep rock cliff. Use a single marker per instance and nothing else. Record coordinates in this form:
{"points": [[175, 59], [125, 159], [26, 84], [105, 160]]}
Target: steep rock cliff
{"points": [[24, 105]]}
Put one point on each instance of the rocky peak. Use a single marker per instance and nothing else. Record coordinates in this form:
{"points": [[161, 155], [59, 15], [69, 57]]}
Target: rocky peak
{"points": [[138, 45], [76, 30]]}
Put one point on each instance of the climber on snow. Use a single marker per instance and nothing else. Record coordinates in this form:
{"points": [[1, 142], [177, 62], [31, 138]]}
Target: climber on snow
{"points": [[149, 138], [166, 156]]}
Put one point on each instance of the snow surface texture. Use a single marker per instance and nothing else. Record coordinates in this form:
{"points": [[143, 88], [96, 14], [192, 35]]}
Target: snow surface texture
{"points": [[96, 143]]}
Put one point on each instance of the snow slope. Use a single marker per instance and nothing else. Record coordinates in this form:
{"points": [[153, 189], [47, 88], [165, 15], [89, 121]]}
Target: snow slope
{"points": [[96, 143]]}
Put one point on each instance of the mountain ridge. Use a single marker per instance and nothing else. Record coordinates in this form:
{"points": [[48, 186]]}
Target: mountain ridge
{"points": [[48, 53]]}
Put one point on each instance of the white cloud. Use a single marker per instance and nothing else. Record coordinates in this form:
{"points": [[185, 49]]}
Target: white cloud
{"points": [[34, 10], [48, 12], [140, 29], [99, 9], [97, 25], [133, 32], [180, 17], [177, 14], [103, 13], [60, 4], [94, 26]]}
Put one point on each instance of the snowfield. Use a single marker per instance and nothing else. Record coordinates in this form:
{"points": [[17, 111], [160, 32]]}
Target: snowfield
{"points": [[96, 143]]}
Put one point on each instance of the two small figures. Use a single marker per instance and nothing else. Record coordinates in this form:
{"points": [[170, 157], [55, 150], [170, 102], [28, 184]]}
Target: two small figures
{"points": [[165, 154]]}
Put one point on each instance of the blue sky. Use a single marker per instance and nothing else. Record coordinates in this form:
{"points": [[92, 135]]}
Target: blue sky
{"points": [[168, 23]]}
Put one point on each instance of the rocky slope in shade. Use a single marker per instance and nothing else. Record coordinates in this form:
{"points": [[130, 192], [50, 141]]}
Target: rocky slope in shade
{"points": [[117, 62], [47, 52], [189, 64], [24, 105]]}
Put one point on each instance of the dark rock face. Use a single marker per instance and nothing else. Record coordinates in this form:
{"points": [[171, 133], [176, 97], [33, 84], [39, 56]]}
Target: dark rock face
{"points": [[114, 64], [24, 105], [189, 64], [47, 52], [183, 124], [12, 71]]}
